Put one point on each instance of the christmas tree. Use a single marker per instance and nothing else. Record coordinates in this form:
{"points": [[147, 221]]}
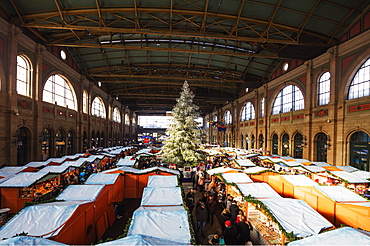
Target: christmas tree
{"points": [[184, 137]]}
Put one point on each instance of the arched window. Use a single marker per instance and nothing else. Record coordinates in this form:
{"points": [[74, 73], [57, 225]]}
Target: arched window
{"points": [[360, 85], [58, 90], [24, 75], [116, 115], [290, 98], [127, 119], [262, 109], [98, 108], [85, 99], [324, 89], [227, 117], [247, 112]]}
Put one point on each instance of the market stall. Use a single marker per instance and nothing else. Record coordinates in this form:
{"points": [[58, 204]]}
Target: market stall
{"points": [[340, 236], [283, 219], [98, 194], [167, 196], [285, 184], [168, 223], [233, 179], [113, 182], [245, 163], [22, 188], [352, 180], [64, 222], [258, 190]]}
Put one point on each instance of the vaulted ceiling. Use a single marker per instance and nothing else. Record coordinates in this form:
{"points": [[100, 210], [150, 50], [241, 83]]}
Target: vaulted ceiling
{"points": [[143, 50]]}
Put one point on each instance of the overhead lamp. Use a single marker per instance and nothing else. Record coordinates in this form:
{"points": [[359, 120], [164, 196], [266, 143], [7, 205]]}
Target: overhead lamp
{"points": [[158, 43], [204, 46]]}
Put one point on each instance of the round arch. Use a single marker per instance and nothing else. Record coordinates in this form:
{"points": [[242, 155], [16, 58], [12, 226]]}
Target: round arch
{"points": [[298, 145], [47, 138], [321, 141], [60, 142], [358, 145], [350, 72], [277, 91], [274, 144]]}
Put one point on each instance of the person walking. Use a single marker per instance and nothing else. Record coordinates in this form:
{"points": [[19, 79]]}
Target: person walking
{"points": [[230, 233], [243, 229], [190, 200], [211, 208], [234, 210], [201, 215]]}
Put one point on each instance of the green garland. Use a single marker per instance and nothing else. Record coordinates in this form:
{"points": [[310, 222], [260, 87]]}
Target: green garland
{"points": [[125, 231], [262, 207], [343, 180], [264, 171], [191, 229]]}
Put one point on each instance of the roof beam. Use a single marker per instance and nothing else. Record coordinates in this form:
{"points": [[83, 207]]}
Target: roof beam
{"points": [[190, 51]]}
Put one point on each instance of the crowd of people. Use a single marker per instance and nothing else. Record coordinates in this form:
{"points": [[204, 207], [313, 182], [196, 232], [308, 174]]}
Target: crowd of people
{"points": [[234, 226]]}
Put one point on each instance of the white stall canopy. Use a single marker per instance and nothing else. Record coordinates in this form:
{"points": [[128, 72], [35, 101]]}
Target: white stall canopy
{"points": [[42, 219], [162, 197], [80, 193], [140, 240], [221, 170], [35, 164], [245, 163], [168, 223], [314, 169], [162, 181], [341, 236], [340, 194], [258, 190], [299, 180], [23, 180], [54, 169], [127, 161], [297, 216], [13, 170], [26, 240], [237, 178], [352, 178], [256, 169], [102, 178]]}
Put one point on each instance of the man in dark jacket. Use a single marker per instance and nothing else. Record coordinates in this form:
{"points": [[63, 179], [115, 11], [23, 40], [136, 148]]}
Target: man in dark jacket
{"points": [[211, 208], [190, 200], [201, 215], [230, 233], [243, 229], [234, 210]]}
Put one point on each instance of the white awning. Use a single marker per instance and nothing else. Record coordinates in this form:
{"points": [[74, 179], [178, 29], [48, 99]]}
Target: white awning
{"points": [[340, 194], [258, 190], [168, 223], [162, 181], [297, 216], [23, 179], [127, 161], [26, 240], [80, 193], [102, 178], [162, 197], [237, 178], [299, 180]]}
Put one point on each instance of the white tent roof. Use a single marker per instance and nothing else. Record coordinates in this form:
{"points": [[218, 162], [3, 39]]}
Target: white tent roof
{"points": [[258, 190], [168, 223], [299, 180], [362, 204], [297, 216], [139, 240], [162, 197], [76, 163], [362, 174], [237, 178], [92, 158], [350, 177], [22, 180], [56, 160], [80, 193], [39, 219], [340, 194], [54, 169], [102, 178], [162, 181], [292, 163], [245, 163], [124, 169], [255, 169], [314, 169], [347, 168], [5, 176], [340, 236], [220, 170], [14, 170], [35, 164], [126, 161], [321, 164], [25, 240]]}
